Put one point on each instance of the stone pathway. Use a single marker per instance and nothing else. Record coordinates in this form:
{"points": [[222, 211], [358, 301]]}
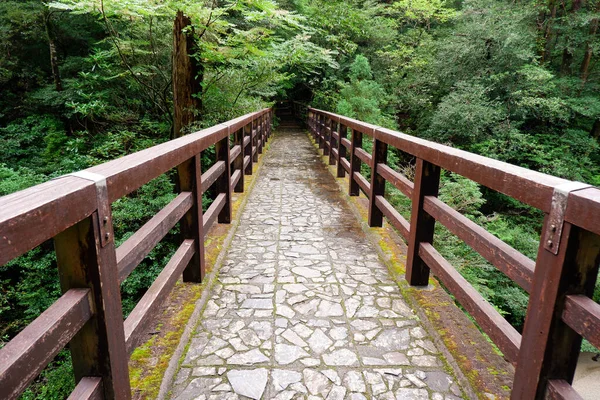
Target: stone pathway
{"points": [[303, 307]]}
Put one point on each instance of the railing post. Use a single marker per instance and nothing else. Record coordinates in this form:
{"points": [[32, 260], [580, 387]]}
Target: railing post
{"points": [[247, 132], [422, 225], [549, 347], [98, 349], [254, 141], [379, 155], [333, 142], [326, 136], [259, 134], [343, 133], [320, 128], [223, 183], [357, 136], [238, 163], [189, 176]]}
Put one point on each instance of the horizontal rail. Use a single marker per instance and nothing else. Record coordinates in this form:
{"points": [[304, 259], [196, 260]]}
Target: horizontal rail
{"points": [[335, 152], [399, 181], [145, 309], [141, 243], [502, 333], [247, 161], [346, 143], [583, 315], [88, 388], [513, 264], [235, 177], [393, 216], [28, 353], [364, 185], [246, 140], [364, 156], [559, 389], [335, 135], [212, 174], [235, 152], [345, 164], [213, 212]]}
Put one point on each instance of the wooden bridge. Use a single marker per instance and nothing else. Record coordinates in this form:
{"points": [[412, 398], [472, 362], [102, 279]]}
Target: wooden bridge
{"points": [[303, 306]]}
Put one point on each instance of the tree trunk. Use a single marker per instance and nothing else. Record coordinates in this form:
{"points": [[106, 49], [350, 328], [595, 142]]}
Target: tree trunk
{"points": [[595, 133], [589, 51], [567, 57], [548, 31], [51, 34], [187, 75]]}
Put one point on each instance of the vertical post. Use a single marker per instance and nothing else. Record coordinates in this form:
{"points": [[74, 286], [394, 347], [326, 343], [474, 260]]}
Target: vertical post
{"points": [[254, 140], [427, 182], [354, 189], [265, 131], [189, 175], [343, 133], [326, 135], [377, 182], [223, 183], [549, 347], [98, 349], [320, 128], [238, 163], [247, 131], [259, 133], [333, 143]]}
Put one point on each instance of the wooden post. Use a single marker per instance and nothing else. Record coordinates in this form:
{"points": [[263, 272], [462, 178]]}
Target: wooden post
{"points": [[247, 131], [238, 163], [259, 133], [549, 347], [223, 183], [254, 141], [321, 137], [343, 133], [427, 182], [377, 182], [326, 136], [354, 189], [333, 142], [98, 349], [189, 176]]}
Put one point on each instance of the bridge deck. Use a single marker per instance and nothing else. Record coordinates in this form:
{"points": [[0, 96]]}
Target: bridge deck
{"points": [[303, 307]]}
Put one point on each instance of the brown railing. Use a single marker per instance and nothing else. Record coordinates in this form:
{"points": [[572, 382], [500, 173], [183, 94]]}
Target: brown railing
{"points": [[75, 210], [560, 282]]}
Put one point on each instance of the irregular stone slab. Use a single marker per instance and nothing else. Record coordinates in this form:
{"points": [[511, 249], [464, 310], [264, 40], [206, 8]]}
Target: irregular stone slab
{"points": [[286, 354], [319, 342], [306, 272], [249, 383], [254, 356], [262, 304], [281, 379], [341, 357]]}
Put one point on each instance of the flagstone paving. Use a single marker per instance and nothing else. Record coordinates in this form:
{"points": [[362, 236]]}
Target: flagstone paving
{"points": [[303, 307]]}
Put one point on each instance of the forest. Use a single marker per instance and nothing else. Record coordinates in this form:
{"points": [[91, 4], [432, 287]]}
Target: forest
{"points": [[86, 81]]}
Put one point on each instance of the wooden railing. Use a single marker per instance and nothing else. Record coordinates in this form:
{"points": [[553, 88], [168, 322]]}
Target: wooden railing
{"points": [[560, 282], [75, 210]]}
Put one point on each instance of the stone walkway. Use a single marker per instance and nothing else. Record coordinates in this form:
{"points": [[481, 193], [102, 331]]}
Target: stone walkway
{"points": [[303, 307]]}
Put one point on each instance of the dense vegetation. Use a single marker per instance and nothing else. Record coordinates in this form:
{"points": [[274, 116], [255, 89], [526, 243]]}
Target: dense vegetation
{"points": [[87, 81]]}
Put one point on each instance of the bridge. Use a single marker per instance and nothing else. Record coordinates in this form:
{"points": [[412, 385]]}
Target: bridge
{"points": [[326, 291]]}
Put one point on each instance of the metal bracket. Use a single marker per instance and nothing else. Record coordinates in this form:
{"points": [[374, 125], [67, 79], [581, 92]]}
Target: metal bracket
{"points": [[103, 204], [557, 214]]}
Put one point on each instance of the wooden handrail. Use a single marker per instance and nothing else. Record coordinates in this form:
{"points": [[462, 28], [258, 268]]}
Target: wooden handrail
{"points": [[75, 210], [560, 281]]}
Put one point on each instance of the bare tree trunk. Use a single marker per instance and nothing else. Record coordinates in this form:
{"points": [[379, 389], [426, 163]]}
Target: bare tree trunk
{"points": [[187, 76], [548, 31], [589, 51], [567, 57], [51, 34]]}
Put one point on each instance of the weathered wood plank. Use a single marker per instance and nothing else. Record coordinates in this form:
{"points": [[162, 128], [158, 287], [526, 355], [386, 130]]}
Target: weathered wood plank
{"points": [[583, 315], [213, 211], [28, 353], [502, 333], [399, 181], [559, 389], [235, 152], [345, 164], [144, 311], [377, 183], [363, 183], [364, 156], [393, 216], [88, 388], [212, 174], [512, 263], [235, 178], [137, 247]]}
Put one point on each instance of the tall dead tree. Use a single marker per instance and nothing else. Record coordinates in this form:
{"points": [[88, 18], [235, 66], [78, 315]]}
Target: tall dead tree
{"points": [[187, 75]]}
